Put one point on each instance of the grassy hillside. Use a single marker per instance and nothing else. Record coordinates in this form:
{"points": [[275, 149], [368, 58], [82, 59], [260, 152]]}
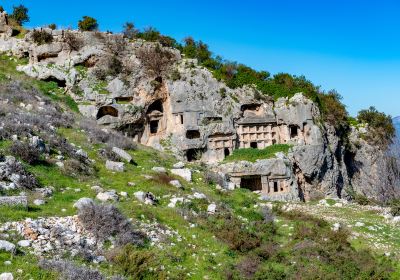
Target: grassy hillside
{"points": [[243, 239]]}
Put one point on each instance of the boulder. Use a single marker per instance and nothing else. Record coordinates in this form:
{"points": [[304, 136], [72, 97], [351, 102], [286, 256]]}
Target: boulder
{"points": [[39, 202], [115, 166], [211, 208], [145, 197], [83, 202], [176, 184], [122, 154], [179, 165], [159, 169], [6, 276], [6, 246], [24, 243], [106, 196], [185, 173], [199, 195]]}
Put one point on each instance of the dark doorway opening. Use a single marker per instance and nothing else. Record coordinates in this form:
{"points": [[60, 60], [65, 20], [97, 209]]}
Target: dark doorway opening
{"points": [[60, 83], [253, 145], [156, 106], [294, 131], [252, 183], [181, 118], [193, 154], [107, 110], [154, 126], [275, 186], [226, 152], [192, 134]]}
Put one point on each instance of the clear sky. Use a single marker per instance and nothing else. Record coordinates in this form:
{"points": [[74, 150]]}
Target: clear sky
{"points": [[352, 46]]}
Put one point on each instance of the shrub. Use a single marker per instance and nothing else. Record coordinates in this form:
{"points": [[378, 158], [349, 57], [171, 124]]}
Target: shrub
{"points": [[1, 9], [214, 178], [106, 221], [107, 153], [73, 42], [25, 152], [20, 14], [361, 199], [130, 31], [155, 60], [138, 264], [248, 266], [52, 26], [162, 178], [27, 180], [76, 168], [69, 271], [88, 24], [395, 207], [41, 37], [380, 127]]}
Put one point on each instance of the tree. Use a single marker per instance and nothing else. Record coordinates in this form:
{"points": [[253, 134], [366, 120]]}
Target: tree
{"points": [[20, 14], [130, 31], [1, 9], [88, 24], [52, 26]]}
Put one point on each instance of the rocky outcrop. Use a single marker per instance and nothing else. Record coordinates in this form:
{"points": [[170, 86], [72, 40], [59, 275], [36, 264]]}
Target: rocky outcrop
{"points": [[181, 107]]}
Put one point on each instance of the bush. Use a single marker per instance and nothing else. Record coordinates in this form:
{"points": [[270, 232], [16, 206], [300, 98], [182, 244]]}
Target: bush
{"points": [[380, 127], [41, 37], [395, 207], [73, 42], [69, 271], [20, 14], [130, 31], [361, 199], [138, 264], [25, 152], [106, 221], [52, 26], [214, 178], [27, 180], [88, 24], [77, 168], [155, 60]]}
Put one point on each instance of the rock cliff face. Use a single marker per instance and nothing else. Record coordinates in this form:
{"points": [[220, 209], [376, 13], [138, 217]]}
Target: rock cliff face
{"points": [[160, 99]]}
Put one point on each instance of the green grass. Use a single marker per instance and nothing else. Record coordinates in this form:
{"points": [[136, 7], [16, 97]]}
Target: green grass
{"points": [[250, 154]]}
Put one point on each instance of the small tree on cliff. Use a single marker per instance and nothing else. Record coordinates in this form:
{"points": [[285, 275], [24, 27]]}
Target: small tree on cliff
{"points": [[88, 24], [20, 14]]}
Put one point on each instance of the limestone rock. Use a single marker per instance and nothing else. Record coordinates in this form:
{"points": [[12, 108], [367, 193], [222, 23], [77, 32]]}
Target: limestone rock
{"points": [[185, 173], [83, 202], [115, 166], [176, 184], [39, 202], [211, 208], [159, 169], [106, 196], [6, 246], [122, 154], [24, 243], [6, 276]]}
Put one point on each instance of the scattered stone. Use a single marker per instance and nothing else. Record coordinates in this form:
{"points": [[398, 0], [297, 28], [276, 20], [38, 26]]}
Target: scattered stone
{"points": [[82, 202], [24, 243], [97, 189], [115, 166], [179, 165], [173, 201], [199, 195], [6, 276], [7, 263], [185, 173], [39, 202], [82, 153], [105, 196], [176, 184], [122, 154], [131, 184], [145, 197], [336, 227], [211, 208], [359, 224], [159, 169], [6, 246], [60, 164], [14, 200], [124, 194]]}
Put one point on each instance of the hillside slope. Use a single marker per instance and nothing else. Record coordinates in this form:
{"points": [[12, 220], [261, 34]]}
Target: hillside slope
{"points": [[177, 229]]}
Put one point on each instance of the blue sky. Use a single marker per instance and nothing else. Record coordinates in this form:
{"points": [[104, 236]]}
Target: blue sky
{"points": [[352, 46]]}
